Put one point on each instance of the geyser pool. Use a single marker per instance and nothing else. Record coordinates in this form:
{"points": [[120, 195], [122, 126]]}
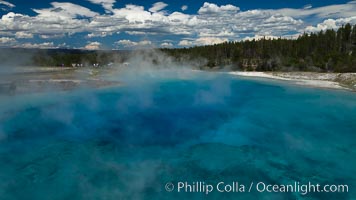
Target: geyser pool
{"points": [[127, 142]]}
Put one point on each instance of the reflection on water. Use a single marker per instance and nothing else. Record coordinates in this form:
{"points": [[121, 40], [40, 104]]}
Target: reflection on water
{"points": [[128, 142]]}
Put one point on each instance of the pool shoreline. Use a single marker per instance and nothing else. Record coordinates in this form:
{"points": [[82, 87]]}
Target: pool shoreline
{"points": [[317, 80]]}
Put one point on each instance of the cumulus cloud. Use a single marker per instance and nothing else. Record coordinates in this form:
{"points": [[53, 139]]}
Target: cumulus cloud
{"points": [[132, 14], [210, 40], [157, 7], [44, 45], [22, 34], [93, 46], [203, 41], [60, 18], [166, 45], [209, 8], [98, 34], [51, 36], [271, 37], [330, 24], [185, 43], [129, 43], [260, 37], [221, 33], [211, 24], [6, 40]]}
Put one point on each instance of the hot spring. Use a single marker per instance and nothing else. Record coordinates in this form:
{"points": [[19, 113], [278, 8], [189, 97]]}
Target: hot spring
{"points": [[129, 141]]}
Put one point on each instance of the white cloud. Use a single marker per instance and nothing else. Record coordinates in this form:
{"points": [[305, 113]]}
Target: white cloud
{"points": [[213, 20], [330, 11], [93, 46], [260, 37], [184, 8], [60, 18], [271, 37], [7, 4], [44, 45], [210, 8], [210, 40], [6, 40], [166, 45], [221, 33], [132, 14], [157, 7], [203, 41], [330, 24], [145, 43], [185, 43], [129, 43], [308, 6], [143, 32], [22, 34], [212, 24], [65, 10], [5, 34], [98, 34], [51, 36], [126, 43]]}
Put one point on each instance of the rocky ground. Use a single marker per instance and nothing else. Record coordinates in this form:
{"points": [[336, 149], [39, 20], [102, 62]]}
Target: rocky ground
{"points": [[347, 80]]}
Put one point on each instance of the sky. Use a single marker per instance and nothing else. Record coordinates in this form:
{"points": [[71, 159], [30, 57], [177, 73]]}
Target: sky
{"points": [[124, 24]]}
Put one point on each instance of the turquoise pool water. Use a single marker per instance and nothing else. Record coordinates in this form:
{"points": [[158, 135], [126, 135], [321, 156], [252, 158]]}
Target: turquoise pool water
{"points": [[127, 142]]}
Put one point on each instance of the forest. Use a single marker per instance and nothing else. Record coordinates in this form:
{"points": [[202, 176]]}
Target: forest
{"points": [[325, 51]]}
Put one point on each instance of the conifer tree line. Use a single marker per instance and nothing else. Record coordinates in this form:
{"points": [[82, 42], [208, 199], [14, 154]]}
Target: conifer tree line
{"points": [[326, 51]]}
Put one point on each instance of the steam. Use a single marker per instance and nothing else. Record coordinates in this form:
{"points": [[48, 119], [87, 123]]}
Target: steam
{"points": [[126, 140], [83, 112], [133, 68], [217, 92], [153, 64]]}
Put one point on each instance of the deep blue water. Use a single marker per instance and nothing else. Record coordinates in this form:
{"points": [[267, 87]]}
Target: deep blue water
{"points": [[127, 142]]}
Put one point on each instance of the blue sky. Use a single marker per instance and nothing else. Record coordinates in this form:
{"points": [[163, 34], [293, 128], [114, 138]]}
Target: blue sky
{"points": [[119, 24]]}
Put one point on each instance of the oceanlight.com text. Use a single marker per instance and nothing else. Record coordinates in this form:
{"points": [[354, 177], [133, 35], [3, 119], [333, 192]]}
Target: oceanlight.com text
{"points": [[261, 187]]}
